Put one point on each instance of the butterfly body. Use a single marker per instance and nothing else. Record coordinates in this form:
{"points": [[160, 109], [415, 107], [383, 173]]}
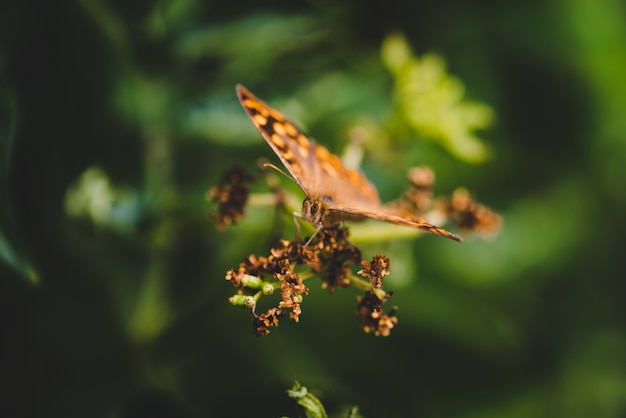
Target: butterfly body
{"points": [[318, 211], [334, 192]]}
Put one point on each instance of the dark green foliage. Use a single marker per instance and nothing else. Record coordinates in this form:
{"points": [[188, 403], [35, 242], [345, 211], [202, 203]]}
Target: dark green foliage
{"points": [[117, 117]]}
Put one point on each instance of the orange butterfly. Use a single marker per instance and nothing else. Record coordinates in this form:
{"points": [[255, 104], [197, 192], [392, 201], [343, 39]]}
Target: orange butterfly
{"points": [[334, 192]]}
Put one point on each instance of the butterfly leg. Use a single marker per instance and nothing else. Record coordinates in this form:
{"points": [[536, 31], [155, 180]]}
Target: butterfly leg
{"points": [[317, 230], [296, 216]]}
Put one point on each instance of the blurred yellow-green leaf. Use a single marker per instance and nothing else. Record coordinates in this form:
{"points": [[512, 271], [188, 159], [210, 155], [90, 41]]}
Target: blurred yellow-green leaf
{"points": [[432, 102]]}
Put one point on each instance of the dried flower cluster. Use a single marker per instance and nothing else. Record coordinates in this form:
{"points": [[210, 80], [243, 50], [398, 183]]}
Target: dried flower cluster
{"points": [[460, 209], [334, 255], [418, 198], [470, 215], [369, 307], [279, 264], [374, 320], [231, 195], [330, 256], [376, 270]]}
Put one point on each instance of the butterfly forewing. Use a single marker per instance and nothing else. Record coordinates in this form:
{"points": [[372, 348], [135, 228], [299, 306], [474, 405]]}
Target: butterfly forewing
{"points": [[318, 172]]}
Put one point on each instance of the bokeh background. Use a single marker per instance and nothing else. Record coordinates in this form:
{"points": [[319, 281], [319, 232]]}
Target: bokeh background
{"points": [[116, 118]]}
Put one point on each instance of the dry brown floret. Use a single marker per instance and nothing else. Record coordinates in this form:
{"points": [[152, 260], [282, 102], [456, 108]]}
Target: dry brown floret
{"points": [[231, 195]]}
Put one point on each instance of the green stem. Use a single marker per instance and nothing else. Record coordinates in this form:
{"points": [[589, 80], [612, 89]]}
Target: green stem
{"points": [[366, 285]]}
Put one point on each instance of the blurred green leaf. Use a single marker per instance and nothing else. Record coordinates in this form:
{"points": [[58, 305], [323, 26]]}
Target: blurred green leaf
{"points": [[11, 251], [432, 101], [307, 401]]}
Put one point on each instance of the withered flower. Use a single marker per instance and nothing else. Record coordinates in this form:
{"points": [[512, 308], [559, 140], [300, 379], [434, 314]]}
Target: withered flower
{"points": [[376, 270], [252, 266], [330, 256], [262, 323], [231, 195], [251, 275], [470, 215], [283, 258], [291, 291], [235, 276], [373, 320], [418, 198], [460, 209], [334, 255]]}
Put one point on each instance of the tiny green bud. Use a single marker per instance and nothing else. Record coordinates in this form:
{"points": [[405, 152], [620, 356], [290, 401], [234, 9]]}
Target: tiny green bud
{"points": [[242, 300], [251, 282], [268, 288], [250, 302]]}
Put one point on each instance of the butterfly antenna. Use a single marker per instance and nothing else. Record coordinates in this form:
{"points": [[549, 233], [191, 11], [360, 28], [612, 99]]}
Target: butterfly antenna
{"points": [[270, 165]]}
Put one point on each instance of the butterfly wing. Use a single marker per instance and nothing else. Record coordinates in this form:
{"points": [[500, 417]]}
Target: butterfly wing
{"points": [[346, 193], [318, 172], [381, 214]]}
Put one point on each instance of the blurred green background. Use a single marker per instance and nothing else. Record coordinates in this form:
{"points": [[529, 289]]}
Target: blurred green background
{"points": [[116, 117]]}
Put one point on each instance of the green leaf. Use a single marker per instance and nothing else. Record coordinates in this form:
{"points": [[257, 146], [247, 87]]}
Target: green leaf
{"points": [[431, 101]]}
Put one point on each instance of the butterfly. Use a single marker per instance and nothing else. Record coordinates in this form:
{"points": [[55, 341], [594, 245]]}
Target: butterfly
{"points": [[334, 193]]}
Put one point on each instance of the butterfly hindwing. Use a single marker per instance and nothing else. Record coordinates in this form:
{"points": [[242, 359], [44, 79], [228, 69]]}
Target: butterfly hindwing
{"points": [[404, 220]]}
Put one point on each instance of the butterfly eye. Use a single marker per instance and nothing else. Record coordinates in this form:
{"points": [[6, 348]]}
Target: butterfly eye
{"points": [[310, 207]]}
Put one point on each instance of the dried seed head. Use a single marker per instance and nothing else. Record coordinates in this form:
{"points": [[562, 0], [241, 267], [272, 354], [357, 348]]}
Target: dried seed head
{"points": [[231, 195]]}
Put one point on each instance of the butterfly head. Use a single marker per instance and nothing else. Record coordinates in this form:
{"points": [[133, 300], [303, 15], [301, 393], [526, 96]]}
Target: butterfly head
{"points": [[315, 211]]}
